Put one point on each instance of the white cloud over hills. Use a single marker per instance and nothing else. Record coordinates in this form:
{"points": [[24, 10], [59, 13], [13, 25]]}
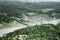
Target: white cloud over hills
{"points": [[32, 0]]}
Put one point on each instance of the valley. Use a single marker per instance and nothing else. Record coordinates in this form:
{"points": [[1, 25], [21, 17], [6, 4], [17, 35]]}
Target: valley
{"points": [[36, 21]]}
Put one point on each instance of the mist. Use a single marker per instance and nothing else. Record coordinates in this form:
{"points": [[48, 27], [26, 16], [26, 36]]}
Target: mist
{"points": [[33, 0]]}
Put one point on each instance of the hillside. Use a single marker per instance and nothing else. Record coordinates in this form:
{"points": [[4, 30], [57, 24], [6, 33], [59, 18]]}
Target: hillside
{"points": [[33, 21], [14, 9], [11, 11], [37, 32]]}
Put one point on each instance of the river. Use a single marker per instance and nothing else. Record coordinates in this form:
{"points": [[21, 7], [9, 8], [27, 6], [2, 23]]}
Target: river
{"points": [[20, 26]]}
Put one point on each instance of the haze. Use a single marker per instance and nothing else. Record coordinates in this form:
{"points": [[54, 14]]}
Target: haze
{"points": [[33, 0]]}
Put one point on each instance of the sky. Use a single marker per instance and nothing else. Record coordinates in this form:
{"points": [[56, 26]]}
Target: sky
{"points": [[34, 0]]}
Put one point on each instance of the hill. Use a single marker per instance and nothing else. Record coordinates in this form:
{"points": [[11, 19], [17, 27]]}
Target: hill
{"points": [[37, 32], [12, 10]]}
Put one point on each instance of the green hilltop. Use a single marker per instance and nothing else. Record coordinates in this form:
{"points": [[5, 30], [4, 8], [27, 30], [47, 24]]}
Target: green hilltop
{"points": [[37, 32]]}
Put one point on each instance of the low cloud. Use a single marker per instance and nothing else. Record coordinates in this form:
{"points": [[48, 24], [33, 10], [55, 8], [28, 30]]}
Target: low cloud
{"points": [[32, 0]]}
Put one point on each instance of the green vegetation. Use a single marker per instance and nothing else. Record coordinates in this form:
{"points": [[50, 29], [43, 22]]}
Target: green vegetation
{"points": [[15, 9], [37, 32], [12, 11]]}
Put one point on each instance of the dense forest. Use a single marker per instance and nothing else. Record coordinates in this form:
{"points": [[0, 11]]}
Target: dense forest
{"points": [[37, 32], [10, 10]]}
